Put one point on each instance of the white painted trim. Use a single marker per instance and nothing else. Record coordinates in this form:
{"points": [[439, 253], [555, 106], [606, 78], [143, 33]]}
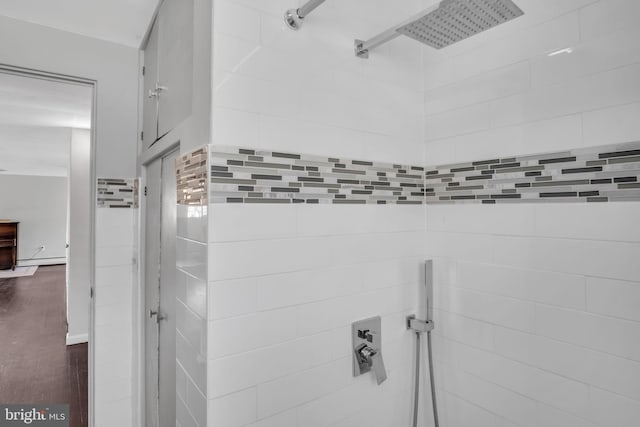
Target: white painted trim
{"points": [[42, 261], [138, 363], [77, 339]]}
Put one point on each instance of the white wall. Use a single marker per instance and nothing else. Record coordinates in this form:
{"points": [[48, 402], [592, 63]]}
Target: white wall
{"points": [[285, 282], [79, 237], [40, 204], [35, 150], [115, 68], [114, 282], [537, 321]]}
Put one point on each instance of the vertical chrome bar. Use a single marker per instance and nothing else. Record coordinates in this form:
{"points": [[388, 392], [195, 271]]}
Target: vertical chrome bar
{"points": [[309, 7], [428, 283]]}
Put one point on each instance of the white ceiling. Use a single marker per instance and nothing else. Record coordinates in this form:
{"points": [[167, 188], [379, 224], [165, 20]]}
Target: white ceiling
{"points": [[36, 117], [119, 21]]}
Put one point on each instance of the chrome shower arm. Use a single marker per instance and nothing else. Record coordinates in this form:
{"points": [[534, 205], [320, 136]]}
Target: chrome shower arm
{"points": [[362, 47], [294, 17], [309, 7]]}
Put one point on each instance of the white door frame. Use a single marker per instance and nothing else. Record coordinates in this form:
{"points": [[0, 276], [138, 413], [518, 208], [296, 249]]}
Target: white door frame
{"points": [[162, 147], [63, 78]]}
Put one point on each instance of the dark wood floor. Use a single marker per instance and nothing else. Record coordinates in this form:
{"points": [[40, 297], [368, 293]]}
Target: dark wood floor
{"points": [[36, 366]]}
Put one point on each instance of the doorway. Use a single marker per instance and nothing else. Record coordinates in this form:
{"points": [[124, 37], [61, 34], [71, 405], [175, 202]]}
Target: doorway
{"points": [[47, 188], [160, 296]]}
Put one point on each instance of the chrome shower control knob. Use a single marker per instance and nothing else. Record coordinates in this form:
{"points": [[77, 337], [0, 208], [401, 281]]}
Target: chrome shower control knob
{"points": [[367, 353], [370, 358], [366, 339]]}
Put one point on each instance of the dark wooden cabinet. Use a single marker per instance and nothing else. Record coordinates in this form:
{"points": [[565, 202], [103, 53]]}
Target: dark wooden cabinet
{"points": [[8, 244]]}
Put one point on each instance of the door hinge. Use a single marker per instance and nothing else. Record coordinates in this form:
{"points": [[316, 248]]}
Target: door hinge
{"points": [[91, 293], [143, 69], [145, 190], [141, 136]]}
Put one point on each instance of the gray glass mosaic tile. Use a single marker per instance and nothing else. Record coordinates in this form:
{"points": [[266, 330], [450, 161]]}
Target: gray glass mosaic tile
{"points": [[597, 174], [280, 177], [117, 193], [191, 177]]}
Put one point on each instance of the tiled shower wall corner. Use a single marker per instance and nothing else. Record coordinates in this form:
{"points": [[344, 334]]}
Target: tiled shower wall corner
{"points": [[537, 304], [191, 288], [115, 282]]}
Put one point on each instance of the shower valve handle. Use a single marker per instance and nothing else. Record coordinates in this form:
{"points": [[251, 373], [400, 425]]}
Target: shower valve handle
{"points": [[377, 364], [373, 359]]}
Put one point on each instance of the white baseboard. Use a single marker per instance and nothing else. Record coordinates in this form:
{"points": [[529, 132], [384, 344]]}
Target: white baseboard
{"points": [[41, 261], [77, 339]]}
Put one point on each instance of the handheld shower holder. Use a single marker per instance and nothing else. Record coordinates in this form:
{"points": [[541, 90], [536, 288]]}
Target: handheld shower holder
{"points": [[418, 325]]}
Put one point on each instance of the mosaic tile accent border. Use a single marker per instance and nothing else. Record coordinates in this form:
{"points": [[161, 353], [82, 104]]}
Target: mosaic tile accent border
{"points": [[117, 193], [191, 178], [243, 175], [598, 174]]}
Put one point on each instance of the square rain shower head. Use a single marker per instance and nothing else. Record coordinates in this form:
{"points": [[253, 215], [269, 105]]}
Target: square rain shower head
{"points": [[456, 20]]}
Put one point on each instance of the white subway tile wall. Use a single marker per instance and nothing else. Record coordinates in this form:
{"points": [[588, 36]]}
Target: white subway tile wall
{"points": [[113, 335], [191, 288], [536, 305], [281, 304], [285, 282], [306, 92]]}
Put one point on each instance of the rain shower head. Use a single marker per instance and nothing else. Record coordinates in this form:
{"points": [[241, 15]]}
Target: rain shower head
{"points": [[456, 20], [449, 22]]}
